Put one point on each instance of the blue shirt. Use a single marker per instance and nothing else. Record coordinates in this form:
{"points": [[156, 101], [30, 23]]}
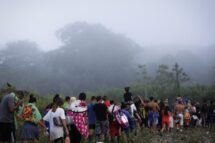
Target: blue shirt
{"points": [[91, 114], [130, 119]]}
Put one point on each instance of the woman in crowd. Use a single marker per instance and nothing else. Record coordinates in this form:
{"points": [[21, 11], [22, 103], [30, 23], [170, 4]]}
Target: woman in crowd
{"points": [[78, 113], [32, 118], [56, 118], [165, 119]]}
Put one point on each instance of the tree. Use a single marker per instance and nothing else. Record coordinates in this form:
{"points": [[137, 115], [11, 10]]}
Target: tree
{"points": [[95, 56], [145, 79], [19, 63], [162, 83], [180, 77]]}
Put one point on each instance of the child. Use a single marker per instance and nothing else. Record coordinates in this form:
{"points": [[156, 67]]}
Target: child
{"points": [[187, 118], [165, 119]]}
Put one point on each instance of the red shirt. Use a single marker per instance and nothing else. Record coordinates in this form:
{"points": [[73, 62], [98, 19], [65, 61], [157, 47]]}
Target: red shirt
{"points": [[107, 103]]}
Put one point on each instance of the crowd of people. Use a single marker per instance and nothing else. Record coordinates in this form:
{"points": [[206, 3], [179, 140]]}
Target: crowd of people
{"points": [[99, 120]]}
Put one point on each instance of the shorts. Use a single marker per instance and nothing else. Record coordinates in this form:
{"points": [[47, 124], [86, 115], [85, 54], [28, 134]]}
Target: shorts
{"points": [[180, 119], [155, 117], [102, 127], [165, 120], [29, 131], [7, 132], [165, 123]]}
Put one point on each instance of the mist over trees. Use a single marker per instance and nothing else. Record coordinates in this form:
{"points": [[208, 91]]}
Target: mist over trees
{"points": [[198, 63], [92, 57]]}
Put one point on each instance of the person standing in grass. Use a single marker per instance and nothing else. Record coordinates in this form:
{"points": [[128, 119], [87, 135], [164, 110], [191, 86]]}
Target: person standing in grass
{"points": [[67, 102], [32, 118], [179, 110], [78, 113], [106, 101], [165, 119], [102, 123], [57, 131], [204, 113], [128, 131], [211, 114], [91, 119], [127, 95], [114, 125], [155, 112], [8, 106]]}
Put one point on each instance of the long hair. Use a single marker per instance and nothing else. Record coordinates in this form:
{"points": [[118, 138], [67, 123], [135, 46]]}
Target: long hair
{"points": [[56, 104], [166, 111]]}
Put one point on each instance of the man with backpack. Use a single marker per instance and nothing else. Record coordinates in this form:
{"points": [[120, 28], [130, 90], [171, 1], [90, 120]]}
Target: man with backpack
{"points": [[9, 105], [114, 125]]}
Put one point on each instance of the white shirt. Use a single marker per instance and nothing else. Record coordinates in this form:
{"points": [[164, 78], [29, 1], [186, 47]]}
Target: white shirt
{"points": [[55, 131], [110, 108], [133, 109]]}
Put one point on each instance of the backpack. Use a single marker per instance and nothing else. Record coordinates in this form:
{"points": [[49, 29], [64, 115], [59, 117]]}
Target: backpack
{"points": [[111, 115], [57, 121], [27, 112], [121, 118]]}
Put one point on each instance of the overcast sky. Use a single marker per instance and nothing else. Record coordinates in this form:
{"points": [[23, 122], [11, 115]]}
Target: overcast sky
{"points": [[148, 22]]}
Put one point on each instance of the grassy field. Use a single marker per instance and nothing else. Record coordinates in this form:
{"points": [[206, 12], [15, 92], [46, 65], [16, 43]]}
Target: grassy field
{"points": [[197, 135], [190, 135]]}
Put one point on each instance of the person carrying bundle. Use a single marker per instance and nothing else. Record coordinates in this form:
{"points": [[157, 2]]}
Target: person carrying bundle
{"points": [[32, 119], [9, 105], [78, 114]]}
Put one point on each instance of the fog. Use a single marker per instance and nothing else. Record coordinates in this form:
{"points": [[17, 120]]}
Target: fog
{"points": [[61, 32], [147, 22]]}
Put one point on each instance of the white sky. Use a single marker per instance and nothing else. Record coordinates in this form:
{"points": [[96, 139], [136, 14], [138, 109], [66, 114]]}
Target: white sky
{"points": [[148, 22]]}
